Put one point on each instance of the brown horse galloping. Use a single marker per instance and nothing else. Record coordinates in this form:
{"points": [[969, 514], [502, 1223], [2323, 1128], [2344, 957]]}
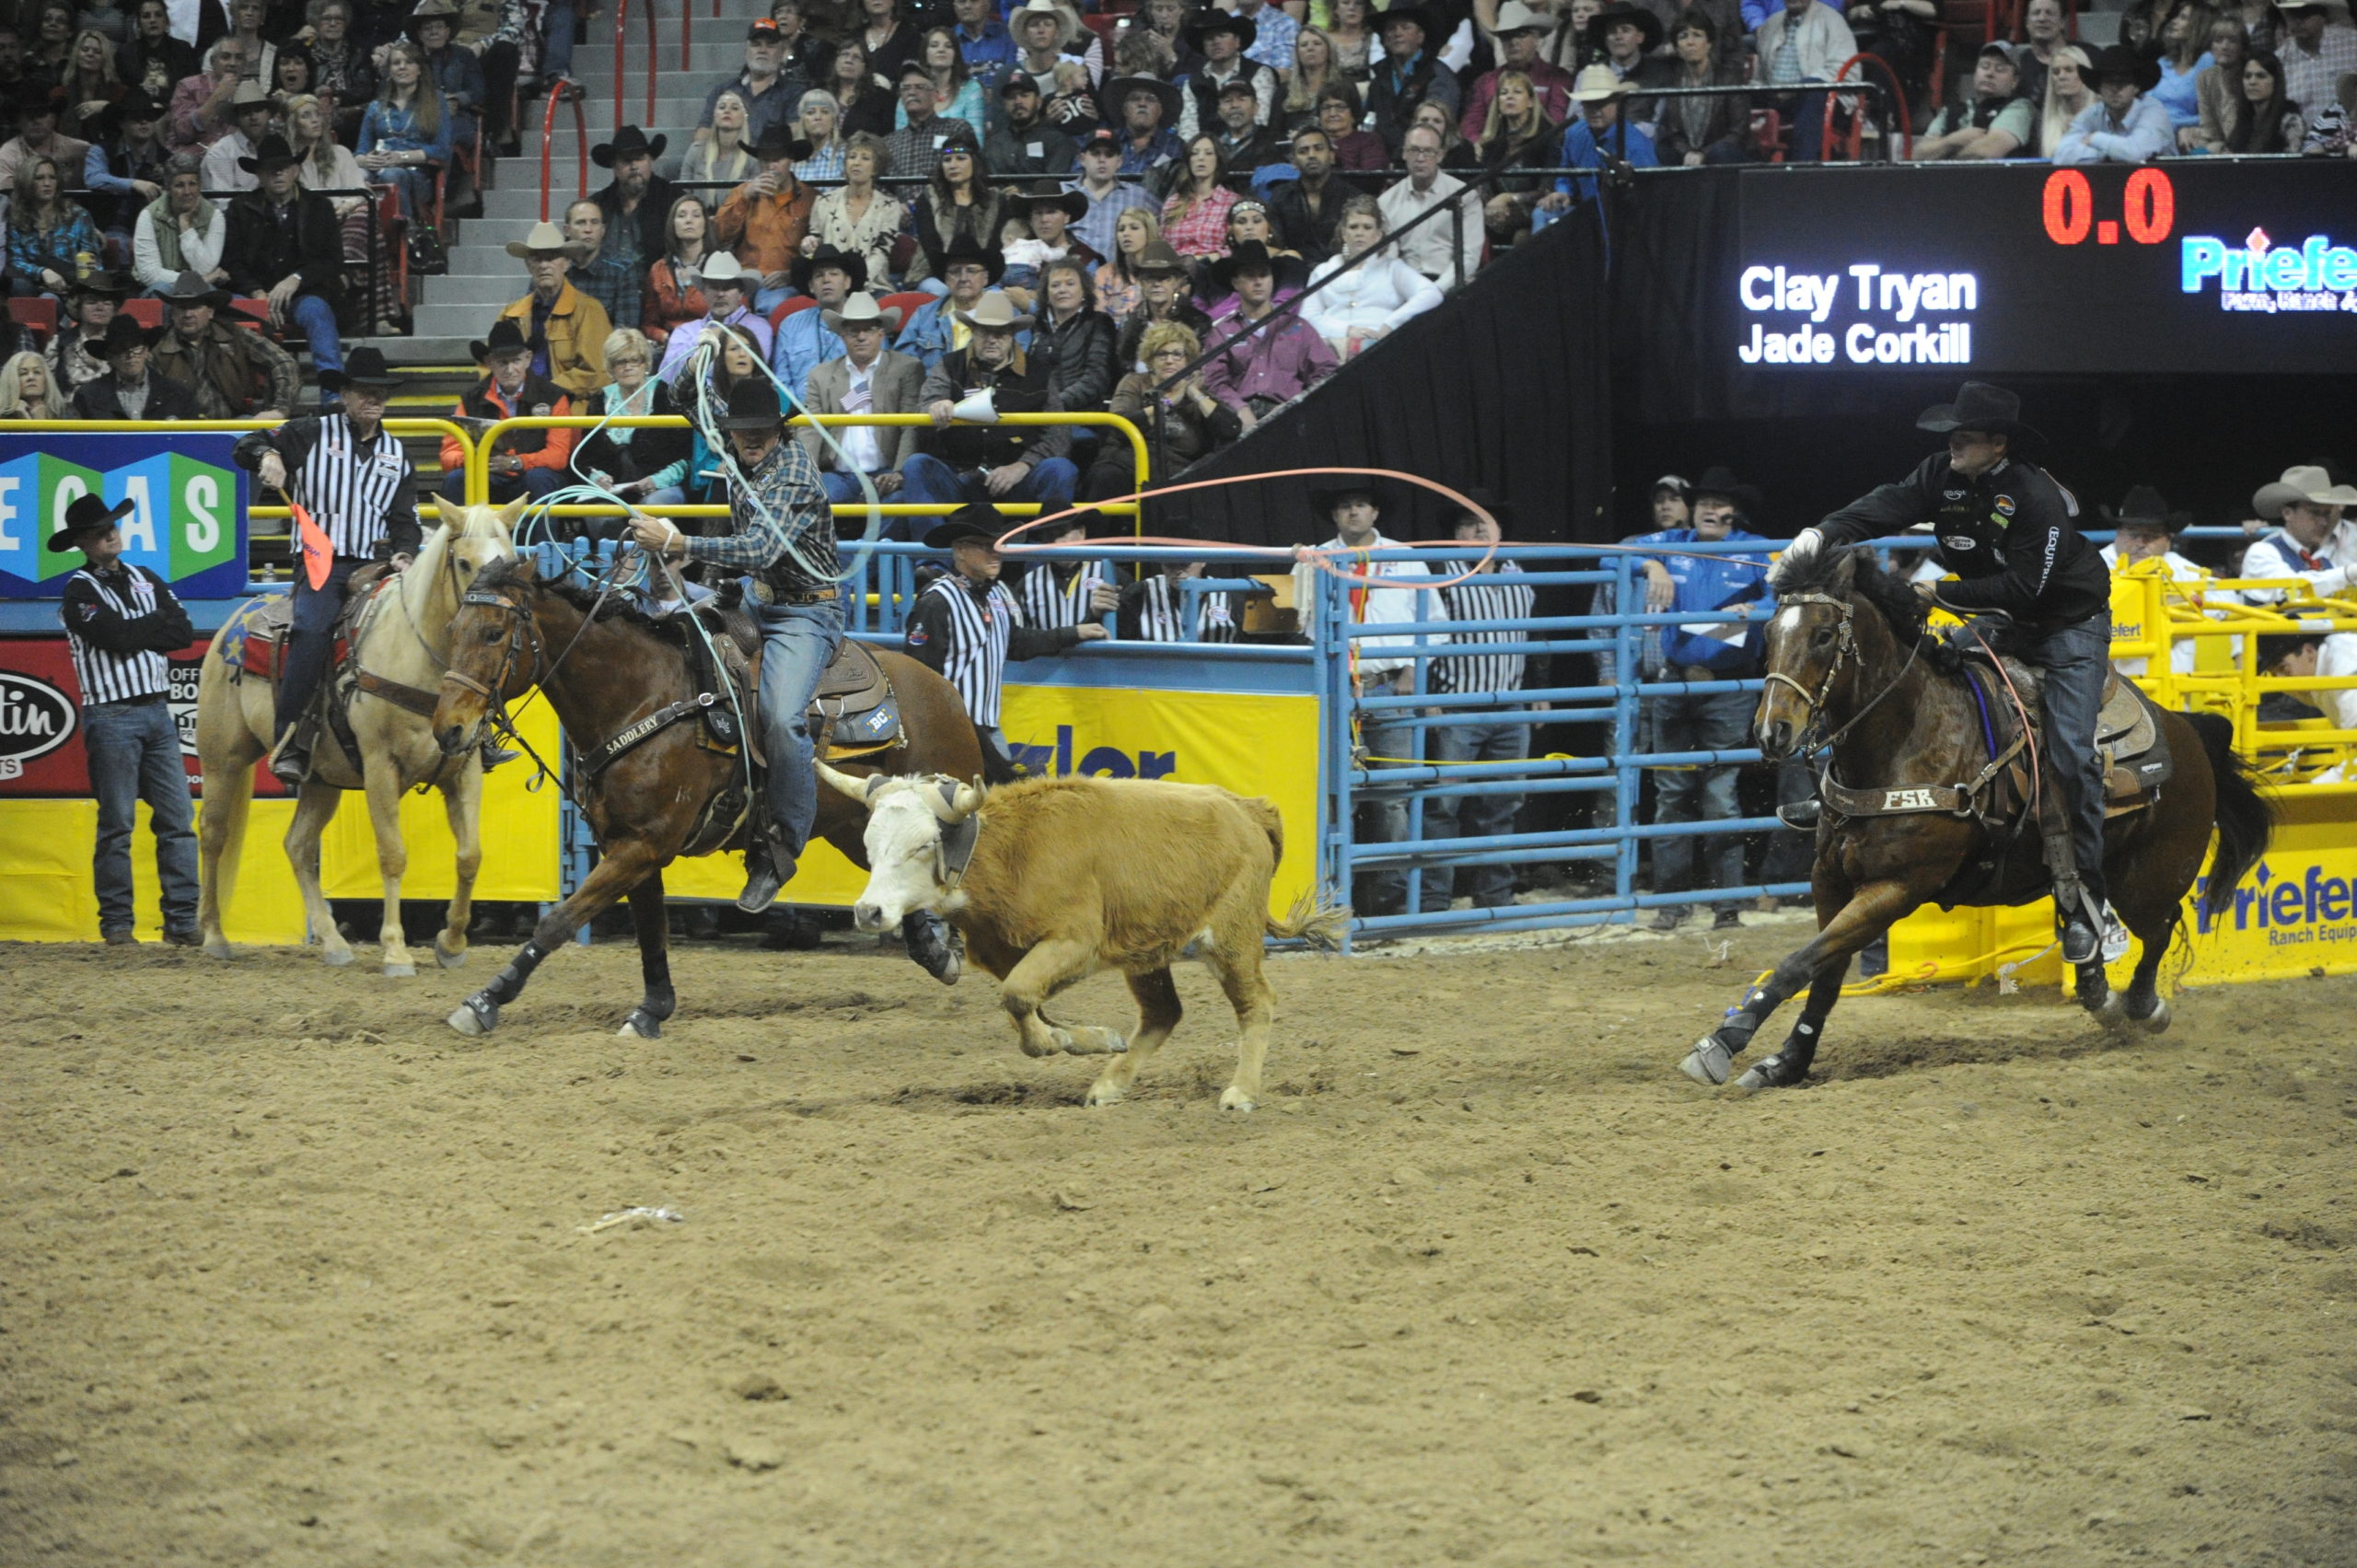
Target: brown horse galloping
{"points": [[1844, 643], [605, 670]]}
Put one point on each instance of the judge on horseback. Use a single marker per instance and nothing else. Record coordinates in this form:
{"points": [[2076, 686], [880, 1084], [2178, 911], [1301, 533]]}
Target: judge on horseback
{"points": [[2032, 586]]}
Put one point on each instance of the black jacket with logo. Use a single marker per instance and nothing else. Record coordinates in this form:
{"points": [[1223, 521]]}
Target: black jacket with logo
{"points": [[2011, 535]]}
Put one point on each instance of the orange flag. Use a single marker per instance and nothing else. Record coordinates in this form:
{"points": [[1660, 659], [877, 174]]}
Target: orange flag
{"points": [[319, 555]]}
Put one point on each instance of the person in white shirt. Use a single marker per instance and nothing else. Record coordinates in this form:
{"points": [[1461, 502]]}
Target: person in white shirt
{"points": [[1380, 670], [226, 160], [1370, 295], [2316, 544], [1445, 249], [2145, 529], [869, 379]]}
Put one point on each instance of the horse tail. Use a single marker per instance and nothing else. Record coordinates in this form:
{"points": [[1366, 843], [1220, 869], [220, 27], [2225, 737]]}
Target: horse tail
{"points": [[2246, 820], [1319, 924]]}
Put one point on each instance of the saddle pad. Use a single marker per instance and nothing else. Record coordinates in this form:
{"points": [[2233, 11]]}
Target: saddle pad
{"points": [[856, 735]]}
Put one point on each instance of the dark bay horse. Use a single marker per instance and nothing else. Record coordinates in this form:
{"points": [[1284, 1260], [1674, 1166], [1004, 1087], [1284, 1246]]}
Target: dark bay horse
{"points": [[1843, 652], [604, 668]]}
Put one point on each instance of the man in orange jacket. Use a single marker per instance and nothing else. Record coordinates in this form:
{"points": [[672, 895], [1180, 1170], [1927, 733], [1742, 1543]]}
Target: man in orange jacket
{"points": [[523, 462], [764, 219]]}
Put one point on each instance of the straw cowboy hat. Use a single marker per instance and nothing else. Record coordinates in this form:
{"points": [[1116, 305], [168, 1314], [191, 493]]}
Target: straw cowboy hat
{"points": [[86, 516], [1980, 409], [860, 310], [994, 312], [2307, 482], [1597, 83], [1514, 17], [722, 267], [1068, 26], [547, 239]]}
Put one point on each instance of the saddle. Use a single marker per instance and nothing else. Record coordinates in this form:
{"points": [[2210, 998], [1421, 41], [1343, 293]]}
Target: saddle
{"points": [[254, 642]]}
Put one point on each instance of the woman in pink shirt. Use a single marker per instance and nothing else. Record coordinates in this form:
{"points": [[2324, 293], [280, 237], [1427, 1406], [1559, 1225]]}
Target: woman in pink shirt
{"points": [[1194, 221]]}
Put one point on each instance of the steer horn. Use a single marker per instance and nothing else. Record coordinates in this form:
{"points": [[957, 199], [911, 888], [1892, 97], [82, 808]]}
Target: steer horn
{"points": [[860, 789], [958, 801]]}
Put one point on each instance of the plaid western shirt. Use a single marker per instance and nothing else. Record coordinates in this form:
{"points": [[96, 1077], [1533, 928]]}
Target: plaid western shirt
{"points": [[780, 510]]}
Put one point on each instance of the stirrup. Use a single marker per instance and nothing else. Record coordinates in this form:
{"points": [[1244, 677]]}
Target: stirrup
{"points": [[767, 871], [1801, 815]]}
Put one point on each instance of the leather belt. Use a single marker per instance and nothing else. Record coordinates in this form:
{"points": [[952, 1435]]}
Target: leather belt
{"points": [[765, 594]]}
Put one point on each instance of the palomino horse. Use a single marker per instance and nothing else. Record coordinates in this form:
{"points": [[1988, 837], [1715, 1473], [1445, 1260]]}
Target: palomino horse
{"points": [[606, 669], [405, 643], [1842, 654]]}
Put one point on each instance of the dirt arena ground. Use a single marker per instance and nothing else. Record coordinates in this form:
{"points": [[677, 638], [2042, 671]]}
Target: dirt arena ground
{"points": [[291, 1274]]}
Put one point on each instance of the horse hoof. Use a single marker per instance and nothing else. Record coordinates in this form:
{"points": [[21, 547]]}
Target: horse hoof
{"points": [[401, 971], [335, 959], [449, 960], [642, 1024], [219, 949], [2159, 1018], [1237, 1099], [474, 1018], [1708, 1063]]}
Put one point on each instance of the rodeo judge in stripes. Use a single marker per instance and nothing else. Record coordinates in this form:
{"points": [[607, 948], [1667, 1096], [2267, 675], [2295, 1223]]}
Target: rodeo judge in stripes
{"points": [[360, 488], [967, 626], [119, 622]]}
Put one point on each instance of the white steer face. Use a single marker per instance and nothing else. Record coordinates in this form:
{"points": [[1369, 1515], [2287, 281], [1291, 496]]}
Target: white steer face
{"points": [[912, 828]]}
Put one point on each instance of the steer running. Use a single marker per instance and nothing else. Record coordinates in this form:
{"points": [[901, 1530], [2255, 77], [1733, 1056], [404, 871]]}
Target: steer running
{"points": [[1052, 879]]}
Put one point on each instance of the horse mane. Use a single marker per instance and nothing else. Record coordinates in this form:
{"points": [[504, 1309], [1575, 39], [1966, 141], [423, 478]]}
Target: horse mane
{"points": [[622, 608], [1886, 594]]}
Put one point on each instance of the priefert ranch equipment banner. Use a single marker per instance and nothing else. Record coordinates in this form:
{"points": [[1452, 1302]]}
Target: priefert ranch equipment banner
{"points": [[187, 522]]}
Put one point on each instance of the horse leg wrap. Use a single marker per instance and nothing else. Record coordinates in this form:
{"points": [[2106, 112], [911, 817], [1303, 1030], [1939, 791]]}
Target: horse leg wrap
{"points": [[1791, 1063]]}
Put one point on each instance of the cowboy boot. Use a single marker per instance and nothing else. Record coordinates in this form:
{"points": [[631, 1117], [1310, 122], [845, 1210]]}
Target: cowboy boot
{"points": [[2076, 922], [767, 867], [290, 760], [493, 753], [933, 945]]}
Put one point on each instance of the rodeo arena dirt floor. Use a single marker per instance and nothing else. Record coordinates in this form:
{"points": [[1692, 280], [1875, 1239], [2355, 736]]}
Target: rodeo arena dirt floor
{"points": [[293, 1274]]}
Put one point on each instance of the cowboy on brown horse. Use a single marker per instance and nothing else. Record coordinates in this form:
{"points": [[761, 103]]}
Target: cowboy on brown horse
{"points": [[2032, 584]]}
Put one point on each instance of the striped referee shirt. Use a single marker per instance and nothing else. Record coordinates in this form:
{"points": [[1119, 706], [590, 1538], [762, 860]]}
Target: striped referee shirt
{"points": [[974, 659], [119, 625], [1160, 607], [1485, 598], [361, 492], [1050, 600]]}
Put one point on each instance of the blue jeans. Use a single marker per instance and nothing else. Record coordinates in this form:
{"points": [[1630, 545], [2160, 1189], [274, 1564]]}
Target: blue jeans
{"points": [[1721, 722], [310, 641], [1049, 483], [2075, 660], [1383, 819], [134, 755], [556, 47], [1805, 113], [1473, 815], [796, 641], [315, 318]]}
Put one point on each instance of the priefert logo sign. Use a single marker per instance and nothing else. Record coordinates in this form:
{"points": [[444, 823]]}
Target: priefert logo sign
{"points": [[2260, 275]]}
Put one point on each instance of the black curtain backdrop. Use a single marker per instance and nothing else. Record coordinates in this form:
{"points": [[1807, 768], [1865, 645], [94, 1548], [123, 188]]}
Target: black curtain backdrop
{"points": [[1506, 386]]}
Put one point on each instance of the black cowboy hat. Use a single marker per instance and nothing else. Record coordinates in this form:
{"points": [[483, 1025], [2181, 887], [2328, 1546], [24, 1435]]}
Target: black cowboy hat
{"points": [[629, 141], [1323, 499], [1720, 481], [190, 288], [1117, 92], [1211, 20], [975, 521], [86, 514], [752, 405], [851, 262], [1646, 22], [506, 337], [1979, 407], [777, 142], [1251, 253], [136, 104], [2121, 63], [271, 152], [1074, 203], [1480, 497], [123, 333], [105, 284], [965, 248], [364, 368], [1415, 13], [2145, 507]]}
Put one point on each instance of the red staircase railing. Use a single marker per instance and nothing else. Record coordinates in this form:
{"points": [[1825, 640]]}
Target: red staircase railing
{"points": [[1903, 128], [621, 26], [547, 149]]}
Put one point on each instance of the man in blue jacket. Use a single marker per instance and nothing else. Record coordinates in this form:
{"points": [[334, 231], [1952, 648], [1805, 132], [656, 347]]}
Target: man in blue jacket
{"points": [[1697, 651]]}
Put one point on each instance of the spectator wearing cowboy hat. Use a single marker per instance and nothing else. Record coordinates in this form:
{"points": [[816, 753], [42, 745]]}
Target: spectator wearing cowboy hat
{"points": [[638, 201], [1602, 136], [523, 462], [77, 355], [285, 247], [773, 93], [1221, 37], [1407, 74], [2145, 539], [2318, 51], [130, 388], [967, 270], [807, 340], [993, 462], [2121, 125], [1163, 296], [1261, 368], [912, 148], [727, 287], [764, 219], [2314, 541], [38, 136], [455, 69], [1109, 194], [1520, 32], [566, 328], [120, 621], [1025, 145], [1147, 108], [868, 377], [1720, 721], [235, 374], [1051, 213], [132, 167], [1805, 41], [229, 162]]}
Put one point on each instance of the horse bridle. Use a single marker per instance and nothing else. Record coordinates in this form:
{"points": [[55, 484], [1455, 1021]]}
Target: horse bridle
{"points": [[1845, 650], [496, 694]]}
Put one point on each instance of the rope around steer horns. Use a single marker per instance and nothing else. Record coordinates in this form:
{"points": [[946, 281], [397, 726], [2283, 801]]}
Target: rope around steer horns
{"points": [[1845, 649]]}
